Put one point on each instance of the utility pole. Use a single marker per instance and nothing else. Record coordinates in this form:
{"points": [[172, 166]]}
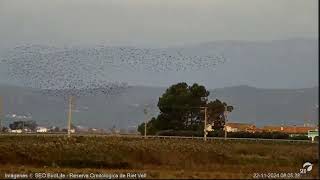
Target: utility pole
{"points": [[205, 123], [145, 122], [225, 123], [1, 110], [70, 116]]}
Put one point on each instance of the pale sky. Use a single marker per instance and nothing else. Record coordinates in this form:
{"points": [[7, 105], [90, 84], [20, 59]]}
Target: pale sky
{"points": [[154, 22]]}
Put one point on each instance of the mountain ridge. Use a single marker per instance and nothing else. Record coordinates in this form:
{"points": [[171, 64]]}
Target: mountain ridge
{"points": [[253, 105]]}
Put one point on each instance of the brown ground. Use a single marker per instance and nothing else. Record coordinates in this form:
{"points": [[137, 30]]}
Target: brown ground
{"points": [[170, 158]]}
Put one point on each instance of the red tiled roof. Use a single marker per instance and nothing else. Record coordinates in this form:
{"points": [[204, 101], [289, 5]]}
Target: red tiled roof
{"points": [[288, 129], [241, 126]]}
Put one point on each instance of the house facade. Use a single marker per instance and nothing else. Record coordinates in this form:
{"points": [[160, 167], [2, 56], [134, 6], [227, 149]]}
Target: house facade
{"points": [[240, 127], [41, 130]]}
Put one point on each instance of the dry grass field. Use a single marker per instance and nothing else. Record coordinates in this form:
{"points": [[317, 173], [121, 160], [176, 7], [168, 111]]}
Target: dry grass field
{"points": [[158, 158]]}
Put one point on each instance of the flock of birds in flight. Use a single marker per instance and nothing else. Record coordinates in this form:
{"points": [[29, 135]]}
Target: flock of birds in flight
{"points": [[82, 71]]}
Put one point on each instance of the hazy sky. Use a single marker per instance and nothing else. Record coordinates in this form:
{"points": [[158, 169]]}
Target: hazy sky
{"points": [[154, 22], [163, 23]]}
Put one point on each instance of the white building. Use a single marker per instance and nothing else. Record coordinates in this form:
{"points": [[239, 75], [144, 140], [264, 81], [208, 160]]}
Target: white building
{"points": [[231, 129], [72, 130], [16, 131], [236, 127], [209, 128], [93, 130], [41, 130], [27, 130]]}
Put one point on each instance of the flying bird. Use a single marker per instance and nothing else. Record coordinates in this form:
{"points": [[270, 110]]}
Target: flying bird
{"points": [[82, 68]]}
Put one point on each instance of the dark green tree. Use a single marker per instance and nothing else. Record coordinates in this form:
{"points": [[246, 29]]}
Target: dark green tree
{"points": [[179, 106], [216, 113], [180, 110], [32, 125], [152, 127]]}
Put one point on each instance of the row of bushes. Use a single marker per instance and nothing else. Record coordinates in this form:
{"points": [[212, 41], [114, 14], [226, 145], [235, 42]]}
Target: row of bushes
{"points": [[179, 133], [262, 135], [220, 133]]}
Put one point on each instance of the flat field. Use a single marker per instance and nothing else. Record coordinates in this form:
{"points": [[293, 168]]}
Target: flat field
{"points": [[157, 158]]}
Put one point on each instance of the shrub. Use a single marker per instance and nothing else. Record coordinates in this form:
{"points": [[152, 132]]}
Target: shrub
{"points": [[299, 137], [263, 135], [179, 133]]}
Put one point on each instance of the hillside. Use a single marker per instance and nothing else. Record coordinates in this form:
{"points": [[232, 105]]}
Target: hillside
{"points": [[260, 106]]}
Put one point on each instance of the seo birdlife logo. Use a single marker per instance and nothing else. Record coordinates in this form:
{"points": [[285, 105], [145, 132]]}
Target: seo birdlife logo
{"points": [[306, 167]]}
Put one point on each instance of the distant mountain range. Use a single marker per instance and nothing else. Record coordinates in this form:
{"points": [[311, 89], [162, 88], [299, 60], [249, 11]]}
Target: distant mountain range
{"points": [[253, 105]]}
